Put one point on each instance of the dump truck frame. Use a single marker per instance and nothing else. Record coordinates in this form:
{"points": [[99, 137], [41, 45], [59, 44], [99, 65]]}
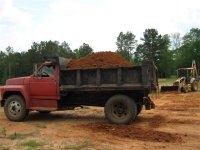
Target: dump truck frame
{"points": [[122, 91]]}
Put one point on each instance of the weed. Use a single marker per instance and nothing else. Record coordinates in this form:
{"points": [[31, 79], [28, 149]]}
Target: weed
{"points": [[80, 146], [5, 148], [31, 144], [4, 132], [20, 136]]}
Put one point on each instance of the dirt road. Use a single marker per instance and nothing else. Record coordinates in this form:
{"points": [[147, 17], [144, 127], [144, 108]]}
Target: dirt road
{"points": [[174, 124]]}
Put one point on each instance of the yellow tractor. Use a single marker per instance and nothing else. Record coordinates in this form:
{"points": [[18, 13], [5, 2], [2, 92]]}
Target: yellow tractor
{"points": [[188, 80]]}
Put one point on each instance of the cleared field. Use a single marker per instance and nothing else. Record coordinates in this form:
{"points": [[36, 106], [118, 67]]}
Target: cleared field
{"points": [[174, 124]]}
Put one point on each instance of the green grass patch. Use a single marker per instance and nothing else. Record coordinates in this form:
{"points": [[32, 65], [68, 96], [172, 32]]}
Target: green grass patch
{"points": [[5, 148], [16, 136], [3, 132], [80, 146], [167, 80], [32, 144]]}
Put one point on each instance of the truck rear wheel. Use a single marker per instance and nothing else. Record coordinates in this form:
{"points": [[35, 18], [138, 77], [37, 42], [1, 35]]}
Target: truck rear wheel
{"points": [[15, 108], [139, 109], [120, 109]]}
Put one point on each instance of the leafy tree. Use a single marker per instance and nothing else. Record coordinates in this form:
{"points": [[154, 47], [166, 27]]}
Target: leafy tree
{"points": [[83, 50], [166, 62], [3, 75], [190, 49], [151, 46], [125, 45], [176, 41], [65, 51], [155, 47]]}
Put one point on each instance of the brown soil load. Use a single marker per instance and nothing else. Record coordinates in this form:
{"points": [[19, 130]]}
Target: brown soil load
{"points": [[99, 60]]}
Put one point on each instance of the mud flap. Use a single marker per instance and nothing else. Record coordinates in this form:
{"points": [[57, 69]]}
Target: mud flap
{"points": [[149, 104]]}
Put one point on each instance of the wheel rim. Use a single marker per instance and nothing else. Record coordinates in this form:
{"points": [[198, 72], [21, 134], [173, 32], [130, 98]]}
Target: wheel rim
{"points": [[15, 108], [119, 110]]}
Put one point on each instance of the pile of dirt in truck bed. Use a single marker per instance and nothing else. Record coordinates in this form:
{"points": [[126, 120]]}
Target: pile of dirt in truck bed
{"points": [[99, 60]]}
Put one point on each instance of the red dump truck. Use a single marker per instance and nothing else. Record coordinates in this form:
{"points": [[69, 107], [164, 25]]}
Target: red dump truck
{"points": [[122, 91]]}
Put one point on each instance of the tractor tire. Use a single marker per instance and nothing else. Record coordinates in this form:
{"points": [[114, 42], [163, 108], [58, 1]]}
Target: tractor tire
{"points": [[194, 86], [184, 90], [15, 108], [120, 109]]}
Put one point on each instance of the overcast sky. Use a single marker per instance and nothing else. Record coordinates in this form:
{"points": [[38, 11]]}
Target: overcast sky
{"points": [[95, 22]]}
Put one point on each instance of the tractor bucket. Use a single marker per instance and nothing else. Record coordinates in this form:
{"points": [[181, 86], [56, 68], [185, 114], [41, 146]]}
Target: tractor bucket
{"points": [[169, 88]]}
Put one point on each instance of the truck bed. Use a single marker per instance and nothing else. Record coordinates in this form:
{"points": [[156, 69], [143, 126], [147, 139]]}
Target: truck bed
{"points": [[102, 79]]}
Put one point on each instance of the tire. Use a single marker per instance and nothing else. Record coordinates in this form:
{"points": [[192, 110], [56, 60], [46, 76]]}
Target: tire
{"points": [[120, 109], [15, 108], [183, 89], [139, 109], [194, 86], [44, 112]]}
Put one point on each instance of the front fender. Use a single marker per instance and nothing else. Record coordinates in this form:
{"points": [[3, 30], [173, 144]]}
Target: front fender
{"points": [[13, 90]]}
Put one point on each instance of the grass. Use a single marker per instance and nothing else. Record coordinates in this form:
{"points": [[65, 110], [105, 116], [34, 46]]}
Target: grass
{"points": [[4, 132], [80, 146], [16, 136], [32, 144], [168, 80], [5, 148]]}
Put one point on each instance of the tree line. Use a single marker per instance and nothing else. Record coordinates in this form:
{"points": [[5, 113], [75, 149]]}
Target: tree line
{"points": [[169, 52]]}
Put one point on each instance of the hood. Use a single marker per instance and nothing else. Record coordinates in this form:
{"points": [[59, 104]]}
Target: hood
{"points": [[16, 81]]}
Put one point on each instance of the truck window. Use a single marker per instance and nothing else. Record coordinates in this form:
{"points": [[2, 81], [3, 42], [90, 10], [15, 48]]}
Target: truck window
{"points": [[46, 71]]}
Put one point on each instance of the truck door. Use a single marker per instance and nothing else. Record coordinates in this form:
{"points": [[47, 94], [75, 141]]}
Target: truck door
{"points": [[43, 84]]}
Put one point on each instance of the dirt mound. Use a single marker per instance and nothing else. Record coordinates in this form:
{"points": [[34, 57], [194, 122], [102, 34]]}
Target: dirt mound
{"points": [[182, 121], [132, 132], [156, 121], [99, 60]]}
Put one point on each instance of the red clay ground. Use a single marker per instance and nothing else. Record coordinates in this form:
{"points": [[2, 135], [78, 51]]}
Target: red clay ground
{"points": [[174, 124]]}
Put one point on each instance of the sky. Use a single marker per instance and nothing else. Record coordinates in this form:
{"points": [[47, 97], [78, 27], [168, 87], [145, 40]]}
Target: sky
{"points": [[95, 22]]}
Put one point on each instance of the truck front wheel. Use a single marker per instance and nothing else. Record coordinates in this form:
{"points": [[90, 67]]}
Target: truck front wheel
{"points": [[15, 108], [120, 109]]}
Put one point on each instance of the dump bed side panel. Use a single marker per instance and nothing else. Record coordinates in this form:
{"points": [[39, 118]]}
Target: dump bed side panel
{"points": [[122, 78], [101, 76]]}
